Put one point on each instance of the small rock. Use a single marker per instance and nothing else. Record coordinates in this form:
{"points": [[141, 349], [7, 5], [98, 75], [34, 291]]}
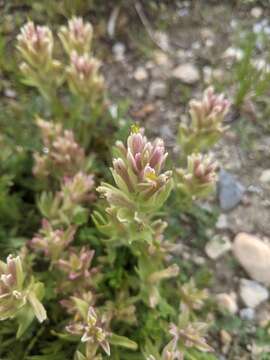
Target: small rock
{"points": [[187, 73], [263, 315], [198, 260], [207, 33], [265, 177], [233, 54], [254, 256], [207, 74], [163, 40], [226, 340], [230, 191], [140, 74], [167, 134], [255, 189], [222, 222], [256, 12], [217, 247], [252, 293], [247, 314], [162, 59], [10, 93], [227, 302], [119, 50], [158, 89]]}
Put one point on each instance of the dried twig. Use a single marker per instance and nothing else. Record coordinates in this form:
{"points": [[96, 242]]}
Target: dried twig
{"points": [[146, 24]]}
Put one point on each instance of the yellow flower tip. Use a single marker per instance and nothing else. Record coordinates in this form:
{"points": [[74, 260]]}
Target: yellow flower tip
{"points": [[134, 129]]}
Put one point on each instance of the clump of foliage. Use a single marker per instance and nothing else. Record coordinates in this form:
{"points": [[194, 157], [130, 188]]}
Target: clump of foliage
{"points": [[99, 272]]}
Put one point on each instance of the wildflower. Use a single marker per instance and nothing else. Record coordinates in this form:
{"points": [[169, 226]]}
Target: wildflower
{"points": [[77, 267], [52, 242], [206, 125], [122, 309], [77, 36], [191, 297], [137, 172], [84, 78], [92, 332], [168, 273], [200, 177], [62, 155], [65, 207], [36, 44], [209, 113], [77, 188], [141, 189], [190, 335], [15, 294], [84, 298]]}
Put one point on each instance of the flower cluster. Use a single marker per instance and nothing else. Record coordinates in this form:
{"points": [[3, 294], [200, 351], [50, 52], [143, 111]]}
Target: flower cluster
{"points": [[77, 267], [142, 187], [41, 70], [209, 113], [35, 43], [19, 296], [190, 335], [62, 155], [191, 297], [65, 207], [52, 242], [77, 36], [92, 331], [83, 77], [200, 177], [206, 126]]}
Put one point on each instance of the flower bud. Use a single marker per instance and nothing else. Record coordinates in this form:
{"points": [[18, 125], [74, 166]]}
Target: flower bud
{"points": [[15, 294], [35, 43], [171, 271], [191, 334], [209, 113], [84, 78], [206, 128], [52, 242], [62, 155], [137, 173], [200, 177], [77, 36], [92, 331], [77, 266]]}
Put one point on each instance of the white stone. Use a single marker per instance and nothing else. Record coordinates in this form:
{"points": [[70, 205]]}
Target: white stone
{"points": [[247, 314], [119, 50], [162, 59], [254, 256], [217, 247], [265, 177], [256, 12], [140, 74], [158, 89], [227, 302], [252, 293], [10, 93], [187, 73], [222, 222], [233, 53]]}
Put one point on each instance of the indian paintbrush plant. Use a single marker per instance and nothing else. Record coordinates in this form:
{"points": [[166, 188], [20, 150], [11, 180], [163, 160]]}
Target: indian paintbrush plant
{"points": [[100, 272], [76, 74], [197, 176]]}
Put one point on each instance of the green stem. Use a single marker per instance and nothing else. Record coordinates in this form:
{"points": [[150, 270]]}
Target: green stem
{"points": [[32, 342]]}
